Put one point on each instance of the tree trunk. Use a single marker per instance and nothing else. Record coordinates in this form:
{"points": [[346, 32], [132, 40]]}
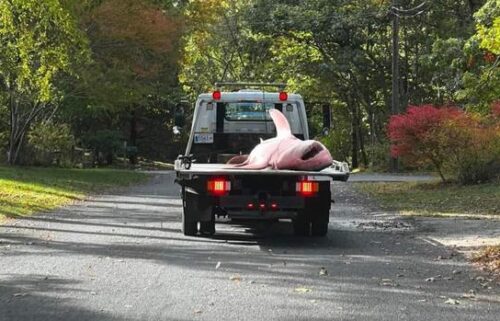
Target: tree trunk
{"points": [[13, 129], [354, 135], [133, 137]]}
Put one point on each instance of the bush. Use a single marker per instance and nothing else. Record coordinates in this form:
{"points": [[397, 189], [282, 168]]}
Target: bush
{"points": [[105, 143], [453, 141], [477, 157], [338, 143], [379, 156], [51, 143]]}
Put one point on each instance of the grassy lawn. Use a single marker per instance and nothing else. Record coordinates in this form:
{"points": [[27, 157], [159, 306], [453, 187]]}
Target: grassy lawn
{"points": [[24, 191], [436, 199]]}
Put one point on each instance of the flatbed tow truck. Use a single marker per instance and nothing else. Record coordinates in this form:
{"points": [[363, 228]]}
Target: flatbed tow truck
{"points": [[231, 123]]}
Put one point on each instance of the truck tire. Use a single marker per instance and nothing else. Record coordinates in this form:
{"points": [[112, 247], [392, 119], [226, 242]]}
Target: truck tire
{"points": [[189, 228], [301, 226], [319, 228], [207, 228]]}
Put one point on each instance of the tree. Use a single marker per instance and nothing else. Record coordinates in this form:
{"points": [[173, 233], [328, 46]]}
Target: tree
{"points": [[40, 42], [417, 135], [132, 80], [481, 80]]}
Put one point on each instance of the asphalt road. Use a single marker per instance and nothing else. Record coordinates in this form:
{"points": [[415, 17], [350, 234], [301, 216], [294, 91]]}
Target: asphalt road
{"points": [[121, 256]]}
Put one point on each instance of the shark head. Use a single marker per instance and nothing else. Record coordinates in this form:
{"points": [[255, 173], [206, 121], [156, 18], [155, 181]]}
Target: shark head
{"points": [[304, 155]]}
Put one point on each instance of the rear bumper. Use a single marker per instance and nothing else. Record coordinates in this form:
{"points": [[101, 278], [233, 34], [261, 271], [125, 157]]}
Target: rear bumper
{"points": [[282, 202], [285, 207]]}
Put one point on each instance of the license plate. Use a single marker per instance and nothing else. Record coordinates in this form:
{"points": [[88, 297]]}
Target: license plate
{"points": [[203, 138]]}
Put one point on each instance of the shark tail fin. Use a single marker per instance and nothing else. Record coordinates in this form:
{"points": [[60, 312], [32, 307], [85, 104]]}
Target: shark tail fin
{"points": [[281, 123]]}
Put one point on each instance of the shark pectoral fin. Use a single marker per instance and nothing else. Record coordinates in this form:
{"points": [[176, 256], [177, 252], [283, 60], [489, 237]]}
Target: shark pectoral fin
{"points": [[255, 165]]}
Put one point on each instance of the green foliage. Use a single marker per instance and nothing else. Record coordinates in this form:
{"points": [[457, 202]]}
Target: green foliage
{"points": [[41, 45], [39, 40], [105, 65], [51, 142], [104, 141], [446, 63], [481, 81], [488, 26]]}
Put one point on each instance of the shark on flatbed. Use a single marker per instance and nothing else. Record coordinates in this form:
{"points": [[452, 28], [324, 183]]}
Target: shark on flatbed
{"points": [[285, 151]]}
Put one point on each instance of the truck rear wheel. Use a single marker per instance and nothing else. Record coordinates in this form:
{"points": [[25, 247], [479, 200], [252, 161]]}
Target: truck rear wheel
{"points": [[207, 228], [189, 228], [319, 228]]}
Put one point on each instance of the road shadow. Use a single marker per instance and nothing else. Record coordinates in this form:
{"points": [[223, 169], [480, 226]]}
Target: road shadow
{"points": [[28, 297]]}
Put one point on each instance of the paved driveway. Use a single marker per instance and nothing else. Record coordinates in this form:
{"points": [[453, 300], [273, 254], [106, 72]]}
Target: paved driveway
{"points": [[120, 256]]}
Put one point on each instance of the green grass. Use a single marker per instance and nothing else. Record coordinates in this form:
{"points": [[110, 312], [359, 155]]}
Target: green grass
{"points": [[436, 199], [26, 190]]}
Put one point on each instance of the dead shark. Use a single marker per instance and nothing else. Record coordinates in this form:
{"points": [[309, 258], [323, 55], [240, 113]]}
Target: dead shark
{"points": [[285, 151]]}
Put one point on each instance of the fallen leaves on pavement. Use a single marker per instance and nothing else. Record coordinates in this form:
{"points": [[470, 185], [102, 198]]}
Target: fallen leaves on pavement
{"points": [[489, 257]]}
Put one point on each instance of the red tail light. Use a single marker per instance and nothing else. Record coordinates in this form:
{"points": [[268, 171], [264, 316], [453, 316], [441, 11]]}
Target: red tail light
{"points": [[216, 95], [307, 188], [283, 96], [218, 186]]}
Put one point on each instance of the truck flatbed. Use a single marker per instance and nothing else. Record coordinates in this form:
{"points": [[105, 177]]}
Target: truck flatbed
{"points": [[337, 172]]}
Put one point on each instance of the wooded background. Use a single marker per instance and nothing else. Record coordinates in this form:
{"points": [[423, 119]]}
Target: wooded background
{"points": [[94, 74]]}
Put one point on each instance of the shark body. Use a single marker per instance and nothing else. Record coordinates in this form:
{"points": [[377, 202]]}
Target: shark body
{"points": [[285, 151]]}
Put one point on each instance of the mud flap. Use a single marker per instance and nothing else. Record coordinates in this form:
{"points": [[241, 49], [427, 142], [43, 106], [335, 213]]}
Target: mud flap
{"points": [[197, 207]]}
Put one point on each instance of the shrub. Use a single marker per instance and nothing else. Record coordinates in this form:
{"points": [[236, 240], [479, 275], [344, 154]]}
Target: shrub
{"points": [[415, 136], [466, 145], [476, 158], [105, 144], [338, 142], [51, 143]]}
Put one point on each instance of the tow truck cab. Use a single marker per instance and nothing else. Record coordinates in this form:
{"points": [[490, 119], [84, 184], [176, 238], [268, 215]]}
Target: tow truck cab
{"points": [[232, 123], [227, 124]]}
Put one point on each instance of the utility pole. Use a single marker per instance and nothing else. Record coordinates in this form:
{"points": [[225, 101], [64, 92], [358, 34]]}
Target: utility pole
{"points": [[395, 102], [395, 75]]}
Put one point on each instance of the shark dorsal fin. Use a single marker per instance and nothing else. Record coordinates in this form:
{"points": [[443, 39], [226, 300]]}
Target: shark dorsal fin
{"points": [[261, 140], [281, 123]]}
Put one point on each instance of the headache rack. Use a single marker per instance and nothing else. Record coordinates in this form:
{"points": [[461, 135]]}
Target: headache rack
{"points": [[219, 85]]}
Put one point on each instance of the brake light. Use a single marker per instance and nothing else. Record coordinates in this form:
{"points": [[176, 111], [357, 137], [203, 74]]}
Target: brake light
{"points": [[218, 186], [216, 95], [307, 188], [283, 96]]}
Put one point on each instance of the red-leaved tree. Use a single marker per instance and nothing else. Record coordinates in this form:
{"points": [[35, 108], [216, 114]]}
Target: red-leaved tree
{"points": [[416, 135], [464, 144]]}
